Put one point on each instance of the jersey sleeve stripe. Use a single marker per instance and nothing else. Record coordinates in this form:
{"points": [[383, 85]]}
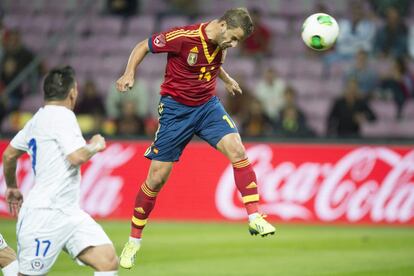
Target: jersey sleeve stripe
{"points": [[173, 32], [180, 35], [179, 31]]}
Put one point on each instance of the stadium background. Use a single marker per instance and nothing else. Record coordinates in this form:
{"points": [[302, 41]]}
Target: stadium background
{"points": [[351, 193]]}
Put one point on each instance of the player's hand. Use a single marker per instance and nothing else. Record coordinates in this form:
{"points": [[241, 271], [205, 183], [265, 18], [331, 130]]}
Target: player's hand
{"points": [[99, 141], [233, 87], [14, 199], [125, 82]]}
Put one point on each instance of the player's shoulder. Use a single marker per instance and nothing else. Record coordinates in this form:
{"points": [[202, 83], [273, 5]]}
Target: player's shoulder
{"points": [[193, 27], [59, 114], [182, 32], [58, 110]]}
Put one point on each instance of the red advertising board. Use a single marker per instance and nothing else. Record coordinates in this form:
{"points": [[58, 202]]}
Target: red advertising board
{"points": [[297, 182]]}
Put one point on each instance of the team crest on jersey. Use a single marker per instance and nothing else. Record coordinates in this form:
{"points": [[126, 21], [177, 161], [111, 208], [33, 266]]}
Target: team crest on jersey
{"points": [[37, 264], [159, 40], [192, 56]]}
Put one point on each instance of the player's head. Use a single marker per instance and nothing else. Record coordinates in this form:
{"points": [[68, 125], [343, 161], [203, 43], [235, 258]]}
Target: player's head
{"points": [[60, 86], [235, 26]]}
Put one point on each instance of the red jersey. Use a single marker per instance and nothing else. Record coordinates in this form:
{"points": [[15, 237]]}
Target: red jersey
{"points": [[193, 63]]}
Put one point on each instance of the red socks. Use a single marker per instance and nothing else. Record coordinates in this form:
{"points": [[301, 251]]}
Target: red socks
{"points": [[144, 203], [246, 183]]}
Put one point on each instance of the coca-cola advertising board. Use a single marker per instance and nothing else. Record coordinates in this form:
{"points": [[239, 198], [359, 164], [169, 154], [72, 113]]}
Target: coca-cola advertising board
{"points": [[297, 182]]}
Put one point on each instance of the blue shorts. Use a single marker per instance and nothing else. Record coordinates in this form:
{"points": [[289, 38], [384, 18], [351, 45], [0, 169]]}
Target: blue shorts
{"points": [[178, 123]]}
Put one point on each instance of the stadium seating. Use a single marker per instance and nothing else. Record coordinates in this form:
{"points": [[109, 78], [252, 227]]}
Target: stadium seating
{"points": [[100, 45]]}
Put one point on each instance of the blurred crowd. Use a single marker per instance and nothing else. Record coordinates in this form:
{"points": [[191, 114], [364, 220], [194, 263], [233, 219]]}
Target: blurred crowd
{"points": [[369, 31]]}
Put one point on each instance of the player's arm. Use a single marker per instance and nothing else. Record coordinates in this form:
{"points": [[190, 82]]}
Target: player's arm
{"points": [[82, 155], [126, 81], [13, 195], [10, 157], [223, 75], [231, 85]]}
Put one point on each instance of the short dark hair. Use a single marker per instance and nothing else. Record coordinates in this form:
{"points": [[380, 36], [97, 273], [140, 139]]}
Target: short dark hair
{"points": [[238, 18], [58, 82]]}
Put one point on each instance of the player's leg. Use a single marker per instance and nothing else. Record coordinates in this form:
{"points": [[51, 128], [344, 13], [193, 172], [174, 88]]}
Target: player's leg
{"points": [[144, 203], [158, 174], [90, 245], [41, 235], [219, 130], [245, 178], [175, 130], [8, 262], [101, 258]]}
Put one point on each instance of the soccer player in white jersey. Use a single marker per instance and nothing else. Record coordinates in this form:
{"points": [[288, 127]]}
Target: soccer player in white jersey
{"points": [[50, 219], [8, 262]]}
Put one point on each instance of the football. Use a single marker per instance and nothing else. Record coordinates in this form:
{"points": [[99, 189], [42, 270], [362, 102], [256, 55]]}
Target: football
{"points": [[320, 31]]}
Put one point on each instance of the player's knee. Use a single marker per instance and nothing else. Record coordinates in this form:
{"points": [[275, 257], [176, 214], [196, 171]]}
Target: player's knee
{"points": [[156, 180], [237, 152], [240, 152], [7, 256], [232, 146], [108, 261], [112, 263]]}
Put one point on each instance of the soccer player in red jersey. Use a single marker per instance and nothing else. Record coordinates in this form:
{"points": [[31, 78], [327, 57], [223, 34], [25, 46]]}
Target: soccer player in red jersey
{"points": [[189, 107]]}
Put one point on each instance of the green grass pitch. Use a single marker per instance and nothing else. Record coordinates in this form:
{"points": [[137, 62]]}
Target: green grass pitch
{"points": [[178, 248]]}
